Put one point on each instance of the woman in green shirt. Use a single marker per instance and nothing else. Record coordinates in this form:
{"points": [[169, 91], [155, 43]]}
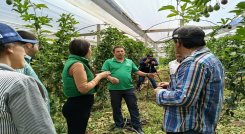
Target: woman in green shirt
{"points": [[79, 84]]}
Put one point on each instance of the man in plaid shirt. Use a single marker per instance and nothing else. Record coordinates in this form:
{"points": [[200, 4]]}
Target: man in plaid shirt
{"points": [[193, 98]]}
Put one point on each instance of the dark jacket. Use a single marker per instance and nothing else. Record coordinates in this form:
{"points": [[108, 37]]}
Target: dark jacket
{"points": [[149, 67]]}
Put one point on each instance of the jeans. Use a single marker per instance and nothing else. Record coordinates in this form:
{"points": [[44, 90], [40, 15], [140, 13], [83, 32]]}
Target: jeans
{"points": [[131, 101], [77, 110], [187, 132], [142, 79]]}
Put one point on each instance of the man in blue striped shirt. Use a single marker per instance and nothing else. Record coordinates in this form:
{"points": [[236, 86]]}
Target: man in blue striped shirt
{"points": [[193, 98]]}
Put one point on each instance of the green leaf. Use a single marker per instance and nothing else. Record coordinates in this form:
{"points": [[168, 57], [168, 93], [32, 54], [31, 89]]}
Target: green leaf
{"points": [[168, 7], [237, 12], [241, 5], [233, 53], [174, 11], [172, 15], [223, 21], [40, 6], [186, 1], [183, 7]]}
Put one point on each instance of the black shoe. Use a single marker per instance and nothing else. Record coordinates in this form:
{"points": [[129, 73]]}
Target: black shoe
{"points": [[115, 128], [138, 130]]}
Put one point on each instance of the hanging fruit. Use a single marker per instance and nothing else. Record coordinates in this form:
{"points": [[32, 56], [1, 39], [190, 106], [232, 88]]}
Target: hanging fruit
{"points": [[205, 10], [197, 19], [210, 8], [206, 15], [216, 7], [224, 2], [9, 2], [229, 26]]}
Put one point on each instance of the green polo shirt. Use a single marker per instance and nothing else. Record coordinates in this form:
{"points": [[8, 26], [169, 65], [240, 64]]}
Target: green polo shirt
{"points": [[122, 71]]}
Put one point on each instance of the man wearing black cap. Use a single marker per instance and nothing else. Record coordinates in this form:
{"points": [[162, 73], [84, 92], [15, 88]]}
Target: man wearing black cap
{"points": [[22, 106], [193, 98], [147, 65]]}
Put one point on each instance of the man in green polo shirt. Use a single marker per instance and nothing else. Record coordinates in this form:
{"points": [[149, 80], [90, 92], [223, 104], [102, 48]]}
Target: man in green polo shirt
{"points": [[121, 86]]}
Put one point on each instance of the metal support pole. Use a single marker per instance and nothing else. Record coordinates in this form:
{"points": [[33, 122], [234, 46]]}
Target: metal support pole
{"points": [[98, 34]]}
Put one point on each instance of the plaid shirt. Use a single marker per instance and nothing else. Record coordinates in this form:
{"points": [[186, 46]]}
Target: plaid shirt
{"points": [[193, 99]]}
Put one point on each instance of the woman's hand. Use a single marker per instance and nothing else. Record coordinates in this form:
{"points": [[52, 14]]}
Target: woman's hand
{"points": [[104, 74]]}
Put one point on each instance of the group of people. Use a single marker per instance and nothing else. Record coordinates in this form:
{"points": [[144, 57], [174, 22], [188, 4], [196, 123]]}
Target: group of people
{"points": [[192, 99]]}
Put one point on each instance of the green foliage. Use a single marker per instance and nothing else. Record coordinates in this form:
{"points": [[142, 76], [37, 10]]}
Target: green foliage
{"points": [[135, 50], [191, 9], [36, 20], [54, 65], [239, 10], [169, 50], [231, 53]]}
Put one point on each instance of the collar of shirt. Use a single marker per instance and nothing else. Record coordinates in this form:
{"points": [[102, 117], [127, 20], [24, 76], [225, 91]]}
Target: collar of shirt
{"points": [[83, 59], [27, 58], [115, 60], [195, 53], [5, 67]]}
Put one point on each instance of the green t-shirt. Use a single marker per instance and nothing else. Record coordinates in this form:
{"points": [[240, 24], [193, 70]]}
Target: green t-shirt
{"points": [[122, 71]]}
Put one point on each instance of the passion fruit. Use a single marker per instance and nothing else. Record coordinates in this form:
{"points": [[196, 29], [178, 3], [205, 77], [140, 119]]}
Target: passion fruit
{"points": [[216, 7], [224, 2], [210, 8], [9, 2], [206, 15]]}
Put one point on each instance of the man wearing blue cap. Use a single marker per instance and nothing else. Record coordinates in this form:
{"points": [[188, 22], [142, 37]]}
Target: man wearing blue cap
{"points": [[193, 98], [22, 106]]}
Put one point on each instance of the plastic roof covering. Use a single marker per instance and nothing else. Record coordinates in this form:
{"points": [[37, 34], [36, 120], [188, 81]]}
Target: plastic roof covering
{"points": [[85, 12], [55, 9], [143, 12]]}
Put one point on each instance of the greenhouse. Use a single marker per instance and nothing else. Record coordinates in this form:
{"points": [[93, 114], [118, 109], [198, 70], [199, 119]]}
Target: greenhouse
{"points": [[181, 91]]}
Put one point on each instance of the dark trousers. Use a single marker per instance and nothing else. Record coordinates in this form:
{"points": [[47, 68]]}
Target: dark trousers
{"points": [[187, 132], [77, 110], [142, 79], [131, 101]]}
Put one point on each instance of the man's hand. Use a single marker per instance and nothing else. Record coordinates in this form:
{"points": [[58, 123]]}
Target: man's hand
{"points": [[157, 89], [163, 84], [113, 80], [151, 75], [147, 60]]}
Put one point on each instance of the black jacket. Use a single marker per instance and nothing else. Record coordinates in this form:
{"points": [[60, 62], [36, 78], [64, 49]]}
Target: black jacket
{"points": [[149, 67]]}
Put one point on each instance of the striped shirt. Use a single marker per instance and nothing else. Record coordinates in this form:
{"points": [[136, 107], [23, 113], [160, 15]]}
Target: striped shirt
{"points": [[193, 99], [22, 107]]}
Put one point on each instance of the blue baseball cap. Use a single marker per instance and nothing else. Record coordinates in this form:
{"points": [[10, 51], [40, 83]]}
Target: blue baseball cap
{"points": [[8, 35]]}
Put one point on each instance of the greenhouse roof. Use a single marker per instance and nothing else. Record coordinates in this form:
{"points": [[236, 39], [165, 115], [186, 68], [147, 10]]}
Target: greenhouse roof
{"points": [[137, 18]]}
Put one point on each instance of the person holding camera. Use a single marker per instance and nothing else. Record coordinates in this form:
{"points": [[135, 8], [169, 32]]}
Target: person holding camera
{"points": [[147, 65]]}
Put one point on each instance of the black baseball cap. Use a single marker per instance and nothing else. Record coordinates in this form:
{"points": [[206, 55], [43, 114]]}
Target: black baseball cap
{"points": [[8, 35], [188, 32], [149, 55]]}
